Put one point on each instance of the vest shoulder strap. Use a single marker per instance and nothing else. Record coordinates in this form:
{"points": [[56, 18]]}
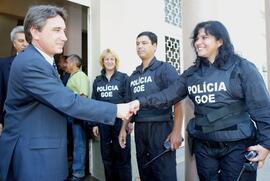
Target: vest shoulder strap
{"points": [[158, 76], [237, 66]]}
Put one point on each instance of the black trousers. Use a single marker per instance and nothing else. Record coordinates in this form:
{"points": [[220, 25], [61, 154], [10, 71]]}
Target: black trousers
{"points": [[116, 161], [222, 162], [149, 138]]}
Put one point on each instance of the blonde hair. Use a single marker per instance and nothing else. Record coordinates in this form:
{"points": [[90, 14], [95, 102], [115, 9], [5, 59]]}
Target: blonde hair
{"points": [[104, 54]]}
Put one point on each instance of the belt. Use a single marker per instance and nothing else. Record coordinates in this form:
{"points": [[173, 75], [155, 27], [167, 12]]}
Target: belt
{"points": [[223, 123], [231, 128], [215, 144]]}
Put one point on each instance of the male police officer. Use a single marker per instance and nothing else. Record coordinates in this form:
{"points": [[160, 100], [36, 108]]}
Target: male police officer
{"points": [[154, 126]]}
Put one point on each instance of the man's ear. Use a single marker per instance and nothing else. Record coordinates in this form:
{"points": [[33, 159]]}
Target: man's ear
{"points": [[155, 46], [35, 33]]}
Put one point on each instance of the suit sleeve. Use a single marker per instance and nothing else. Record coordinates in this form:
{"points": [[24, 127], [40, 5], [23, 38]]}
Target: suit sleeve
{"points": [[2, 92], [47, 88]]}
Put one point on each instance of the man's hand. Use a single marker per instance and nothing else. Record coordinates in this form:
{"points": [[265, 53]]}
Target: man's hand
{"points": [[262, 154], [126, 128], [1, 128], [175, 140], [95, 131], [129, 128], [134, 106], [122, 137], [175, 137], [124, 111]]}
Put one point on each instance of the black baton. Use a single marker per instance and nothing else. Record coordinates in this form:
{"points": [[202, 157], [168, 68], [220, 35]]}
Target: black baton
{"points": [[167, 146]]}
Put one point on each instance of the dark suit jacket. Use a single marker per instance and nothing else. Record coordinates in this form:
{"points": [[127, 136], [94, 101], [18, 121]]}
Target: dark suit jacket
{"points": [[5, 64], [33, 145]]}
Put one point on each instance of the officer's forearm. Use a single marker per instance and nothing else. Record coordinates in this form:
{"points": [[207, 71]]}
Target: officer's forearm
{"points": [[178, 117], [124, 124]]}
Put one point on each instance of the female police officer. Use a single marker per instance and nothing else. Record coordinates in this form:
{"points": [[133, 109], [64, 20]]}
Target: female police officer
{"points": [[228, 93], [112, 86]]}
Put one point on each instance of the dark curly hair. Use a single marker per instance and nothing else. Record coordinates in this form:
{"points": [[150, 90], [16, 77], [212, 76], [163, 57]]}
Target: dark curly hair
{"points": [[218, 30]]}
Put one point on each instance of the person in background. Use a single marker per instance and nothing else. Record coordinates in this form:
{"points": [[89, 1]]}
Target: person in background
{"points": [[155, 126], [112, 86], [17, 38], [33, 144], [231, 106], [78, 82], [61, 62]]}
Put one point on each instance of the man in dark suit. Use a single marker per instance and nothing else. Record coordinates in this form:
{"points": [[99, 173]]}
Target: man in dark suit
{"points": [[33, 144], [17, 37]]}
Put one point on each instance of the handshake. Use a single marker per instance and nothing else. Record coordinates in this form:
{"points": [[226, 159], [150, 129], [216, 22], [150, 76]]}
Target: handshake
{"points": [[126, 110]]}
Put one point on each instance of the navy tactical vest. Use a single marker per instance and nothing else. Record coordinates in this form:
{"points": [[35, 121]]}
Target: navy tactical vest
{"points": [[219, 116], [145, 83], [114, 91]]}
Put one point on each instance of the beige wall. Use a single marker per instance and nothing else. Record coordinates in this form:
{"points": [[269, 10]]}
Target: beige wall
{"points": [[74, 29], [121, 21], [81, 2]]}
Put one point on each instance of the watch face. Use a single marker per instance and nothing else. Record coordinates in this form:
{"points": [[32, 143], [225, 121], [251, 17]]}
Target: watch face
{"points": [[250, 154], [167, 145]]}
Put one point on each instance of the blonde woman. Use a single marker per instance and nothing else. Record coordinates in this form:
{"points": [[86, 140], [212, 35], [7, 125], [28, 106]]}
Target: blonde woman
{"points": [[112, 86]]}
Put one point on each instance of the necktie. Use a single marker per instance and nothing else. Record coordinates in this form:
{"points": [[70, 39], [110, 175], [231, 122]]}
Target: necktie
{"points": [[54, 66]]}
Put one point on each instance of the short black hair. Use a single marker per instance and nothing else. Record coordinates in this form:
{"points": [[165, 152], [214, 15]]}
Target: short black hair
{"points": [[152, 36]]}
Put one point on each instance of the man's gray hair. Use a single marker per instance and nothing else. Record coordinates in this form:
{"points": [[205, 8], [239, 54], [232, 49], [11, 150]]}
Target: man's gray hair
{"points": [[16, 29], [76, 59], [36, 17]]}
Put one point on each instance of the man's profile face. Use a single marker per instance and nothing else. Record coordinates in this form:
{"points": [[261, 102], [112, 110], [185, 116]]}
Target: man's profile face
{"points": [[70, 66], [20, 42], [145, 48], [51, 39]]}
